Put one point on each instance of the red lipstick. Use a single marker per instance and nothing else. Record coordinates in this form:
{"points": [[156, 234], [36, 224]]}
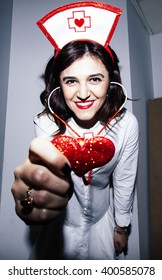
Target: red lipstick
{"points": [[84, 105]]}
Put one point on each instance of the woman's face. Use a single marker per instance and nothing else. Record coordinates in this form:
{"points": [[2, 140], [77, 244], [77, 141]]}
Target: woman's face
{"points": [[84, 84]]}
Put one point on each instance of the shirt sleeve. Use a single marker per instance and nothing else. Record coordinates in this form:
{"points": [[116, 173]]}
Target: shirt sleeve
{"points": [[124, 176]]}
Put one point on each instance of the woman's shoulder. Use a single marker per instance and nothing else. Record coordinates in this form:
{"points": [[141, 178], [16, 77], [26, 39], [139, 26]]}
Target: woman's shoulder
{"points": [[130, 122], [130, 117], [44, 125], [127, 122]]}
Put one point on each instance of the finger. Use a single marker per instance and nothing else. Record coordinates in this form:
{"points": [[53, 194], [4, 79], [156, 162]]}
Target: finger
{"points": [[37, 215], [44, 151], [47, 200], [39, 177], [19, 189], [41, 198], [120, 244], [117, 247]]}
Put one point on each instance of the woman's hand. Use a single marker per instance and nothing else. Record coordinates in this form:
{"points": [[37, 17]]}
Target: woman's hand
{"points": [[44, 182], [120, 239]]}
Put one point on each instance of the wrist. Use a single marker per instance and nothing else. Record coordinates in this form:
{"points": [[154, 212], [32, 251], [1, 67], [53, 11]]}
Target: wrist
{"points": [[121, 230]]}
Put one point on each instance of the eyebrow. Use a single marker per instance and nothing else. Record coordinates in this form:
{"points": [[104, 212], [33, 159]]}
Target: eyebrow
{"points": [[90, 76]]}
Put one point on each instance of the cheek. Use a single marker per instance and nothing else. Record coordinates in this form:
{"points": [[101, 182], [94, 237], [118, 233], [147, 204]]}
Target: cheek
{"points": [[68, 100], [68, 93], [102, 93]]}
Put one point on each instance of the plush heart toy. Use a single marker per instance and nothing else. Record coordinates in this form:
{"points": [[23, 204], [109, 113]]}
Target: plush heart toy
{"points": [[85, 154]]}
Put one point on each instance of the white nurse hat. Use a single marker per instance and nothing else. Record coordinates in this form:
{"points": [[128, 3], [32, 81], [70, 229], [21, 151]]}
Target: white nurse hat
{"points": [[92, 21]]}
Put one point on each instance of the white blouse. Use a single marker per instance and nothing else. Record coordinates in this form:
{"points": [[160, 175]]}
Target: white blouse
{"points": [[86, 229]]}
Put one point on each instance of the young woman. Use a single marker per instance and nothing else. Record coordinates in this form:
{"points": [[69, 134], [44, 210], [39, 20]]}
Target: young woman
{"points": [[81, 183]]}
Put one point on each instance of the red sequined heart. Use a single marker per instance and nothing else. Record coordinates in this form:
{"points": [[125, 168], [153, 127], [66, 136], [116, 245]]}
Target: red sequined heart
{"points": [[79, 22], [85, 154]]}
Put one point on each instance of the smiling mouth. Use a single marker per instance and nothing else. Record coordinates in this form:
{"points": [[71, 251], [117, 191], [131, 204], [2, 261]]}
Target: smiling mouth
{"points": [[84, 105]]}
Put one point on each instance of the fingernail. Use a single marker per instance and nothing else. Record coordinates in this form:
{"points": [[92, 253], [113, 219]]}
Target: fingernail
{"points": [[66, 170]]}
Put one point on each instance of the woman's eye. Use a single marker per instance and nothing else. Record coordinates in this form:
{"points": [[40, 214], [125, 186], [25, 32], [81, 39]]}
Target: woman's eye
{"points": [[95, 80], [70, 82]]}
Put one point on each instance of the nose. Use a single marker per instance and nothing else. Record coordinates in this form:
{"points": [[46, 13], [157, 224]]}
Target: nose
{"points": [[83, 92], [83, 99]]}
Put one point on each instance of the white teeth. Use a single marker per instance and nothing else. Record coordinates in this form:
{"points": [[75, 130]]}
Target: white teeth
{"points": [[85, 103]]}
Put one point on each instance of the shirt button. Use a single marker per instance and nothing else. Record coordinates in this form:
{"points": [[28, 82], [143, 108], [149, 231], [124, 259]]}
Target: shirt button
{"points": [[85, 211]]}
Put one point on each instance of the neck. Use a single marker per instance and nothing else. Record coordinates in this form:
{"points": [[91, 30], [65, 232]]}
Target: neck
{"points": [[86, 123]]}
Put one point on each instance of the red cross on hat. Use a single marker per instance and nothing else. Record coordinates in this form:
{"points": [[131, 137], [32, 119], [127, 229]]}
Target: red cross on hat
{"points": [[93, 21], [79, 21]]}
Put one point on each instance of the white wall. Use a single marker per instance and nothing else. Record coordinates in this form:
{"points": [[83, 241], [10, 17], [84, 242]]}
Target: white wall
{"points": [[30, 51], [156, 52], [5, 24]]}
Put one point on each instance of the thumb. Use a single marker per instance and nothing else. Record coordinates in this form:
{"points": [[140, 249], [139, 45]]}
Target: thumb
{"points": [[42, 151]]}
